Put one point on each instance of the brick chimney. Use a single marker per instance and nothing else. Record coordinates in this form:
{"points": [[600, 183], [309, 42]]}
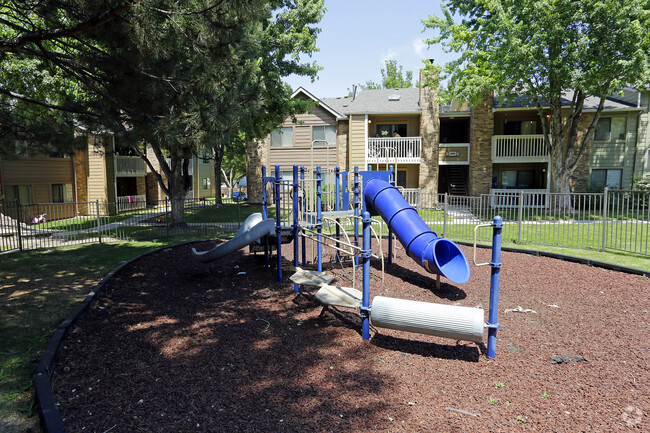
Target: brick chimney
{"points": [[480, 147], [430, 133]]}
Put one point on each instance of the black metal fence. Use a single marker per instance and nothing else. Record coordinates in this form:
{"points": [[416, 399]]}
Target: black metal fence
{"points": [[611, 220]]}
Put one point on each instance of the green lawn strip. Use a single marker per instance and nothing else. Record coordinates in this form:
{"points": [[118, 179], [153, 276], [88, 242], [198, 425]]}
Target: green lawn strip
{"points": [[38, 289]]}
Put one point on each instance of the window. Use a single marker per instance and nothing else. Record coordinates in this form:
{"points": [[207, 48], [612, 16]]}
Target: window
{"points": [[519, 127], [523, 179], [401, 178], [21, 192], [205, 159], [390, 130], [601, 178], [282, 137], [327, 133], [206, 183], [610, 128], [61, 193]]}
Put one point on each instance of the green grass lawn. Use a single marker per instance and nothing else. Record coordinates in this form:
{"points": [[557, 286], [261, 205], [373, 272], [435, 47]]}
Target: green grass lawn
{"points": [[38, 289]]}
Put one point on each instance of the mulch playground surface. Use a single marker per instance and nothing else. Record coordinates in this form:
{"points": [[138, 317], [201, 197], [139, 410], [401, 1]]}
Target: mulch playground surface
{"points": [[174, 345]]}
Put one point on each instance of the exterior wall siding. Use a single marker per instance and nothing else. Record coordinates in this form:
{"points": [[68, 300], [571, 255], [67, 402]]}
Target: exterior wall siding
{"points": [[96, 176], [301, 151], [34, 171], [617, 154], [642, 161], [357, 143]]}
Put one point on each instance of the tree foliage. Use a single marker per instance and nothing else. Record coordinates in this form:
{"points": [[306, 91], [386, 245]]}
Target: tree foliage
{"points": [[184, 77], [392, 77], [548, 52]]}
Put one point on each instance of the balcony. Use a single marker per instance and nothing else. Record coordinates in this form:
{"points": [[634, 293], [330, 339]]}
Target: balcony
{"points": [[129, 166], [519, 148], [400, 150]]}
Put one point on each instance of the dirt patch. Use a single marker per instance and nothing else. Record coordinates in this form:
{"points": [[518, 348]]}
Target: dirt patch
{"points": [[177, 345]]}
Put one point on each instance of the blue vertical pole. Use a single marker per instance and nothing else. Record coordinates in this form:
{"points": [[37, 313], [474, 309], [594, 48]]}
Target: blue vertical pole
{"points": [[337, 207], [365, 296], [319, 222], [356, 212], [495, 264], [391, 180], [304, 213], [265, 216], [278, 225], [296, 287]]}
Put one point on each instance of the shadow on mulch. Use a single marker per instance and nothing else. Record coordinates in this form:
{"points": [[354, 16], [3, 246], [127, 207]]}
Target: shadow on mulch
{"points": [[423, 280], [458, 352]]}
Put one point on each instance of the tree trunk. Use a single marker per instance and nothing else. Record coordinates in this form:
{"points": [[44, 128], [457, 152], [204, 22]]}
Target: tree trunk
{"points": [[254, 161], [217, 154], [178, 187]]}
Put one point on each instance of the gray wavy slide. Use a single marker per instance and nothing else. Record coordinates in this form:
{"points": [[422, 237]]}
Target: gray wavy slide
{"points": [[254, 228]]}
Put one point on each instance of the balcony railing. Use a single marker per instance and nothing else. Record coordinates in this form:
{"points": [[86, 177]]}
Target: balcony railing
{"points": [[519, 148], [509, 198], [407, 150], [129, 166], [131, 202]]}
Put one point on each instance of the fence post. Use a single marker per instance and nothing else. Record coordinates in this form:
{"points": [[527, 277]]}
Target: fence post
{"points": [[205, 217], [444, 215], [520, 215], [99, 230], [605, 210], [20, 236], [168, 217]]}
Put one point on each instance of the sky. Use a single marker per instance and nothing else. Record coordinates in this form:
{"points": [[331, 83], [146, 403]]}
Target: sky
{"points": [[358, 36]]}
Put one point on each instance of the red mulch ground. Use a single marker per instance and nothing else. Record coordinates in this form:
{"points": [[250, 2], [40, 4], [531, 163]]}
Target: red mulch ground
{"points": [[174, 345]]}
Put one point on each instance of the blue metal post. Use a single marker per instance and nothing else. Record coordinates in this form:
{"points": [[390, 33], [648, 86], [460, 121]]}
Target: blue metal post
{"points": [[391, 180], [296, 287], [304, 213], [319, 222], [265, 216], [337, 207], [365, 297], [356, 212], [278, 225], [495, 264]]}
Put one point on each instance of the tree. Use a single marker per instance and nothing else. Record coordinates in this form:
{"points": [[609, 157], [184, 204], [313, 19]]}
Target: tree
{"points": [[544, 52], [179, 76], [40, 103], [392, 77]]}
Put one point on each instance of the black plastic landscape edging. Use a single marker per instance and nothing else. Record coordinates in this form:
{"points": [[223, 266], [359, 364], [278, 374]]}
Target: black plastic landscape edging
{"points": [[51, 421], [584, 261]]}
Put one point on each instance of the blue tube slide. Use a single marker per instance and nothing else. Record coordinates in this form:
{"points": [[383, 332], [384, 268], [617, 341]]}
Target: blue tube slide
{"points": [[435, 254]]}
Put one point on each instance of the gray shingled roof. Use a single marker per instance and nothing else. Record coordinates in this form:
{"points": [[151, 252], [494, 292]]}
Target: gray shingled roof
{"points": [[591, 103], [337, 104], [376, 101]]}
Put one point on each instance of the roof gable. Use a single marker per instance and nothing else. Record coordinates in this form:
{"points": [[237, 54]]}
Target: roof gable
{"points": [[300, 91]]}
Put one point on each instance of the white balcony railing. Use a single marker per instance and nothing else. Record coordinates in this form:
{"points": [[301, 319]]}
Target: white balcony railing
{"points": [[403, 150], [129, 166], [519, 148], [509, 198], [131, 202]]}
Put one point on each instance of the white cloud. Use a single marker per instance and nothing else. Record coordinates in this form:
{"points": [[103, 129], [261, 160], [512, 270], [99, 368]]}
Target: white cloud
{"points": [[419, 47], [390, 55]]}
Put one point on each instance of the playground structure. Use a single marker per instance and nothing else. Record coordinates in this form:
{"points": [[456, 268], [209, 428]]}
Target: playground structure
{"points": [[312, 203]]}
